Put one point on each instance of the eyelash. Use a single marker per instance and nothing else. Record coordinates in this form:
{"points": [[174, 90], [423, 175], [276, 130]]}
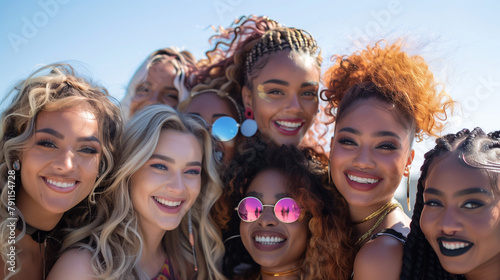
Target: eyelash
{"points": [[159, 166], [387, 146], [275, 91], [474, 203], [46, 143], [432, 203], [193, 172], [346, 141]]}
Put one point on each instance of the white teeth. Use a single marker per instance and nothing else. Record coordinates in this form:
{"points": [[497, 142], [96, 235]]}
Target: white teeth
{"points": [[62, 185], [166, 202], [289, 125], [362, 180], [269, 240], [454, 245]]}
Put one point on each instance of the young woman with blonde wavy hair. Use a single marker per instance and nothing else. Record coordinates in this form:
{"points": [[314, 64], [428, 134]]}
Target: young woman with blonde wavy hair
{"points": [[153, 220], [381, 99], [58, 144]]}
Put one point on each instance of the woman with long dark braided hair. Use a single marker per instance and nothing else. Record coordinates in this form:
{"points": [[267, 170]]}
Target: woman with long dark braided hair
{"points": [[455, 229]]}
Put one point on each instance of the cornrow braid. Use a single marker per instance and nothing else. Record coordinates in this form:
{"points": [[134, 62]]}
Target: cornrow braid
{"points": [[419, 259], [279, 39]]}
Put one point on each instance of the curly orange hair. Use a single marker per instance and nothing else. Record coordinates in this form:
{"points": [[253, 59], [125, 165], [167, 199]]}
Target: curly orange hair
{"points": [[403, 80]]}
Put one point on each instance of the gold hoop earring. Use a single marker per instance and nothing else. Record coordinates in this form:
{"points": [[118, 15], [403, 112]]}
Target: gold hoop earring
{"points": [[329, 175], [408, 190]]}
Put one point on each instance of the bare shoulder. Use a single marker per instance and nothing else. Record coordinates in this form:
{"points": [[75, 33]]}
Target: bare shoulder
{"points": [[73, 264], [380, 258]]}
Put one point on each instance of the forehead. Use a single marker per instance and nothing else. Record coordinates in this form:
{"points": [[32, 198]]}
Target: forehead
{"points": [[75, 116], [269, 182], [181, 146], [450, 175], [210, 104], [372, 115], [162, 69], [284, 62]]}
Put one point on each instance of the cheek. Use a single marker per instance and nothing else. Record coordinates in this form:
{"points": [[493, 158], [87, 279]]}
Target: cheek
{"points": [[427, 222]]}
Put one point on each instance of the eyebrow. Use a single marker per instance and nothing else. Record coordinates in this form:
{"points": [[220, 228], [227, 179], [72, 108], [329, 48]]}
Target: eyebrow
{"points": [[382, 133], [459, 193], [276, 81], [60, 136], [279, 196], [255, 194], [307, 84], [171, 160], [51, 132]]}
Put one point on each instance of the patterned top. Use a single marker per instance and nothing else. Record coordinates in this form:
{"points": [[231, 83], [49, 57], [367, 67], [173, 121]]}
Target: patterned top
{"points": [[165, 272]]}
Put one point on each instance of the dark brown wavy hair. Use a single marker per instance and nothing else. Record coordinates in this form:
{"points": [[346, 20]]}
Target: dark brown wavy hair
{"points": [[328, 254]]}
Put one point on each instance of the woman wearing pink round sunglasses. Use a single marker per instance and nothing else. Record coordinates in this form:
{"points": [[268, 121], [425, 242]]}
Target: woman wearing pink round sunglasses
{"points": [[281, 221]]}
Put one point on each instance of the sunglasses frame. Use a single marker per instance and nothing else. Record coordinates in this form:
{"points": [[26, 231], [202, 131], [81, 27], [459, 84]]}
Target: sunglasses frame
{"points": [[268, 205]]}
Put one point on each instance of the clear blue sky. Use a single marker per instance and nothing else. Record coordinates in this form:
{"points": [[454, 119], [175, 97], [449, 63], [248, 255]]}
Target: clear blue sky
{"points": [[459, 39]]}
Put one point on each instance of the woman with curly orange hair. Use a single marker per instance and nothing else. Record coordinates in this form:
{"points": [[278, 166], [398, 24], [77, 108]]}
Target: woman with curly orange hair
{"points": [[383, 98], [272, 71], [281, 220]]}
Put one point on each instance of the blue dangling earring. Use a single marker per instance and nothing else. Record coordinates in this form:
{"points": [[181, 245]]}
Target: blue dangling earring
{"points": [[249, 126], [16, 165]]}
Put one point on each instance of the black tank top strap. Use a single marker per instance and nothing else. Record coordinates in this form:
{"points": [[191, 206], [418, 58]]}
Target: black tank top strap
{"points": [[390, 232]]}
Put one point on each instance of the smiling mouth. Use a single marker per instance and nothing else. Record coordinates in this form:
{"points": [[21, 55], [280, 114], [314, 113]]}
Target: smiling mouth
{"points": [[289, 126], [167, 202], [362, 180], [452, 247], [62, 185], [269, 240]]}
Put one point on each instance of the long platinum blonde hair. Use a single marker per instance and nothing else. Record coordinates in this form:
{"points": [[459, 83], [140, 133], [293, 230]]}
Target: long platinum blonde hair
{"points": [[116, 242], [52, 88]]}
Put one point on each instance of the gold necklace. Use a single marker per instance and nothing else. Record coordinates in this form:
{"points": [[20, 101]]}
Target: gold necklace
{"points": [[284, 273], [376, 213], [392, 206]]}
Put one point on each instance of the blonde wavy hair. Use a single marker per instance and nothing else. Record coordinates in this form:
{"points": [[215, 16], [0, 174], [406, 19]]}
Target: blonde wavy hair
{"points": [[391, 75], [115, 241], [184, 63], [56, 90]]}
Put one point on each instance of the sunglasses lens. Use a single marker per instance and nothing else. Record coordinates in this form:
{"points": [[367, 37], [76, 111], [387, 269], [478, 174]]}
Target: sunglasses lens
{"points": [[225, 129], [287, 210], [250, 209]]}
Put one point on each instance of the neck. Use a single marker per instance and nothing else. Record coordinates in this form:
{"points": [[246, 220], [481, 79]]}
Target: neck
{"points": [[152, 250], [487, 271], [358, 213], [34, 214], [290, 273]]}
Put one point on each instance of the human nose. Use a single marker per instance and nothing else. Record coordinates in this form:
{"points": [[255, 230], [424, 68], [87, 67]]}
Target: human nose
{"points": [[267, 218], [154, 97], [449, 221], [175, 184], [65, 161], [294, 103], [363, 158]]}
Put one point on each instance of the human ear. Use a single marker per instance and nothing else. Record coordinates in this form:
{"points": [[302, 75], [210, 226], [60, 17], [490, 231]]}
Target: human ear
{"points": [[246, 95], [411, 156]]}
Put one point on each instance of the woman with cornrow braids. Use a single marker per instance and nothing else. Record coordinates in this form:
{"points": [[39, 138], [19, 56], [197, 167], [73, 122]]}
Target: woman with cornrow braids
{"points": [[455, 229], [381, 99], [273, 72]]}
